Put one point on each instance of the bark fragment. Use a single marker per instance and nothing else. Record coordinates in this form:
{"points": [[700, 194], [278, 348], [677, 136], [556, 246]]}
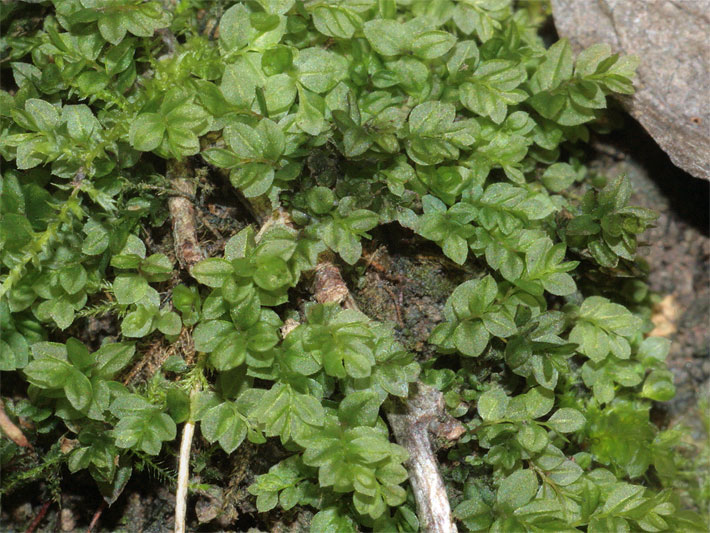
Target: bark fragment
{"points": [[182, 214], [329, 286]]}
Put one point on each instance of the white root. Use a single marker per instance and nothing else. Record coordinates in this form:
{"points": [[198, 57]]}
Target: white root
{"points": [[188, 431]]}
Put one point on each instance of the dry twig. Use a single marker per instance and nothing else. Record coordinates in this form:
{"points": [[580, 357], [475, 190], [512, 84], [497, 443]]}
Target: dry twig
{"points": [[411, 422], [38, 519], [97, 515], [182, 214], [189, 253]]}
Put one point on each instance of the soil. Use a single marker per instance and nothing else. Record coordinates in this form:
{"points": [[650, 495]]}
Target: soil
{"points": [[406, 282]]}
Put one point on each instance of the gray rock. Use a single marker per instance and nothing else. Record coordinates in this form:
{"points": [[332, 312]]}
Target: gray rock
{"points": [[672, 39]]}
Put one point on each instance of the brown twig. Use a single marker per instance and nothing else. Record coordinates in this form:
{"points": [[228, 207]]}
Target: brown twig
{"points": [[97, 515], [206, 223], [259, 208], [381, 269], [395, 301], [188, 431], [289, 325], [182, 214], [11, 431], [39, 517], [189, 253]]}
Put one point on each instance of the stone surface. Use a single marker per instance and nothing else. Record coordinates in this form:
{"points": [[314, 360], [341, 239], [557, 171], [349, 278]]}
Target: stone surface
{"points": [[672, 40]]}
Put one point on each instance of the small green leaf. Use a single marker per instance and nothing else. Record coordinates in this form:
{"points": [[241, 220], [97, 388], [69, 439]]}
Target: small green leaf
{"points": [[253, 179], [156, 267], [335, 21], [146, 132], [230, 352], [96, 241], [331, 520], [623, 498], [555, 68], [48, 372], [73, 278], [129, 288], [559, 284], [471, 338], [559, 176], [474, 513], [498, 323], [212, 272], [659, 386], [113, 357], [221, 157], [78, 390], [567, 420], [590, 58], [225, 424], [517, 489], [387, 37], [319, 70], [539, 402], [654, 349], [244, 141], [273, 273], [169, 324], [532, 437], [492, 88], [138, 323], [455, 248], [81, 122], [145, 431], [432, 44], [207, 335], [44, 114], [320, 200], [566, 473], [359, 408], [287, 414], [492, 405], [277, 60], [234, 28]]}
